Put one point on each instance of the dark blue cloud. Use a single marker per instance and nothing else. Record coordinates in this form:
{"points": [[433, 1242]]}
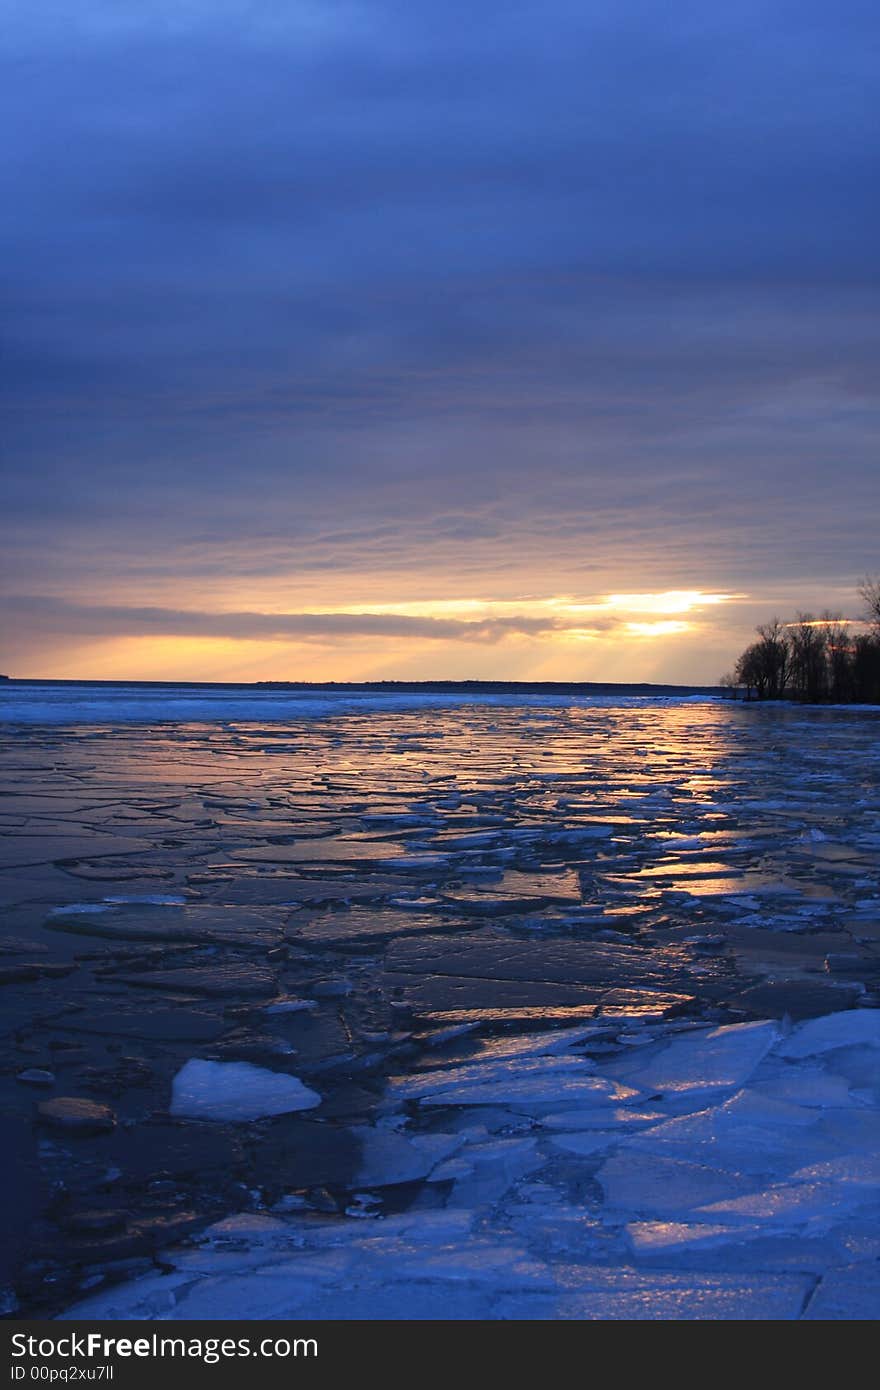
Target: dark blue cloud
{"points": [[325, 277]]}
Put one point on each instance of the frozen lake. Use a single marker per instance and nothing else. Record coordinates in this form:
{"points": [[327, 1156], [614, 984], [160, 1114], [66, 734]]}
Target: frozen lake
{"points": [[543, 1008]]}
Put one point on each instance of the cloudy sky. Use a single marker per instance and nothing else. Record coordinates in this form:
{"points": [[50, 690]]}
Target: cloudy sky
{"points": [[529, 339]]}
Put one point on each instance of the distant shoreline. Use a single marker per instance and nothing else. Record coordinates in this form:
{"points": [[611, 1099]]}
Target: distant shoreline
{"points": [[482, 687]]}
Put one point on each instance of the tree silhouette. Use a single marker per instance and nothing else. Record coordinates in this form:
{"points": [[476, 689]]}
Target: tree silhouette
{"points": [[869, 592], [814, 659]]}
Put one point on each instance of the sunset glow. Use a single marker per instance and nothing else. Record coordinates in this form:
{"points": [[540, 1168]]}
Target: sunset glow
{"points": [[344, 362], [558, 637]]}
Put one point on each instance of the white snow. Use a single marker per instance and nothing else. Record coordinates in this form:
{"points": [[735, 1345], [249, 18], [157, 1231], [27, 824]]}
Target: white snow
{"points": [[236, 1091]]}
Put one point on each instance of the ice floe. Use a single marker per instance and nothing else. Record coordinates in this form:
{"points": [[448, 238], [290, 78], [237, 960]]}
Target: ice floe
{"points": [[236, 1091], [699, 1064], [762, 1200], [818, 1035]]}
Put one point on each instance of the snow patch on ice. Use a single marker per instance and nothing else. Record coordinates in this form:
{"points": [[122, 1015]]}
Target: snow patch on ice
{"points": [[236, 1091]]}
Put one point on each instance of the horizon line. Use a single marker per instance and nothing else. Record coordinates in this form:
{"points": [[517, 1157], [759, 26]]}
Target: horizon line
{"points": [[433, 681]]}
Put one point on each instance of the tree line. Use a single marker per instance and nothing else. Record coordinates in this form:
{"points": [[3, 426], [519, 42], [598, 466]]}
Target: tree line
{"points": [[814, 659]]}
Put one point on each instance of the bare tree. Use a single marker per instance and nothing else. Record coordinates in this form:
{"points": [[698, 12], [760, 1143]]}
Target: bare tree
{"points": [[808, 657], [838, 656], [729, 684], [869, 593], [750, 672], [773, 652], [866, 668]]}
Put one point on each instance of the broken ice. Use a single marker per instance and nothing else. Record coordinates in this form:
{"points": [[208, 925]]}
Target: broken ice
{"points": [[236, 1091]]}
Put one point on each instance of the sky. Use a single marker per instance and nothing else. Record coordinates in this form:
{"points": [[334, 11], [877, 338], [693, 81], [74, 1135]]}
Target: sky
{"points": [[414, 340]]}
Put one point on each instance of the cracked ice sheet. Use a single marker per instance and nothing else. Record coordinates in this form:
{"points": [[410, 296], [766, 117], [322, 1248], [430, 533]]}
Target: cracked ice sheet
{"points": [[702, 1063], [388, 1158], [427, 1265], [533, 1081], [754, 1206]]}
